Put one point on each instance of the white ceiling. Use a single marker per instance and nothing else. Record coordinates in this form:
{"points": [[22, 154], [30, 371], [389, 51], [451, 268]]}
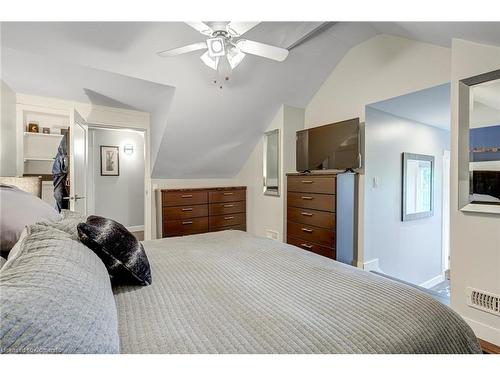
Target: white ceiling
{"points": [[198, 130], [429, 106], [441, 33]]}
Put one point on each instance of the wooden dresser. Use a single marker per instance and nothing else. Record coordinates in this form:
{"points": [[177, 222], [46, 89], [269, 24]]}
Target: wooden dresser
{"points": [[311, 206], [192, 211]]}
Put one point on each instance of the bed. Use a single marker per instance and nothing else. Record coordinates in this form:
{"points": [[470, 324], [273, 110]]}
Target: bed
{"points": [[222, 292], [231, 292]]}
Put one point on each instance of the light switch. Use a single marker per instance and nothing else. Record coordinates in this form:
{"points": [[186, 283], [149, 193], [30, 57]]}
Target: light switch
{"points": [[376, 182]]}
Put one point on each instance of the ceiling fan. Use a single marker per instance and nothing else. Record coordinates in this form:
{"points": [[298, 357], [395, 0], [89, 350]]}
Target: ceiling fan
{"points": [[224, 42]]}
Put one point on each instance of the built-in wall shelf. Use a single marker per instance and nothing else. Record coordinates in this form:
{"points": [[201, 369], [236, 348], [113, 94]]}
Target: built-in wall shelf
{"points": [[38, 159], [42, 134]]}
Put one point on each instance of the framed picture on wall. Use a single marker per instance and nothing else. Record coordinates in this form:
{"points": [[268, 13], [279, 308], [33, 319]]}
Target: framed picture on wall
{"points": [[110, 161]]}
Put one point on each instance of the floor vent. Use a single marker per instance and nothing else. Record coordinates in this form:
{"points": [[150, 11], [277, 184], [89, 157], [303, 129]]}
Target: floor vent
{"points": [[485, 301]]}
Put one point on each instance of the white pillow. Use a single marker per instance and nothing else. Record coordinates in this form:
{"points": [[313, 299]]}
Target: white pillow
{"points": [[19, 209]]}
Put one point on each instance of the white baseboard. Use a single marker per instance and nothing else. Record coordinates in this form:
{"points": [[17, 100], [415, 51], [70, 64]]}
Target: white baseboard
{"points": [[433, 282], [372, 265], [484, 332], [136, 228]]}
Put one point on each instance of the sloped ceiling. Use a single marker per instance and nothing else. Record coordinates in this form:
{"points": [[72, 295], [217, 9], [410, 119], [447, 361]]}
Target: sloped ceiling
{"points": [[200, 131], [429, 106]]}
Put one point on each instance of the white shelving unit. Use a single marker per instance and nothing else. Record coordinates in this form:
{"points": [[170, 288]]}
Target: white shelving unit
{"points": [[37, 151]]}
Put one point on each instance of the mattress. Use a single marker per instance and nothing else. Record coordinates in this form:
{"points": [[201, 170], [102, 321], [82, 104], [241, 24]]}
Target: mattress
{"points": [[230, 292]]}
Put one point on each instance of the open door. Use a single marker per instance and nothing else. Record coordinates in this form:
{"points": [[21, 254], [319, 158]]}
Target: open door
{"points": [[78, 164]]}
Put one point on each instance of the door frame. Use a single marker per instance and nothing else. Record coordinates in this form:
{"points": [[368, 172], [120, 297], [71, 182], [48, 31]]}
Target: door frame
{"points": [[446, 213], [113, 118]]}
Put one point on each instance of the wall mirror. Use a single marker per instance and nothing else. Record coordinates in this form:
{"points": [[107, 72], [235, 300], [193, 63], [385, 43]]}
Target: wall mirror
{"points": [[479, 143], [418, 181], [272, 162]]}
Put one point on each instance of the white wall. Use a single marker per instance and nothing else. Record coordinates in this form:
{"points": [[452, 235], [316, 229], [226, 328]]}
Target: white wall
{"points": [[120, 198], [380, 68], [266, 212], [475, 238], [409, 250], [7, 131]]}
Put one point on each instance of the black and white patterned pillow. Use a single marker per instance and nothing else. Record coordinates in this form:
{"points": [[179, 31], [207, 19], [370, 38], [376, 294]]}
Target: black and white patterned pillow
{"points": [[121, 253]]}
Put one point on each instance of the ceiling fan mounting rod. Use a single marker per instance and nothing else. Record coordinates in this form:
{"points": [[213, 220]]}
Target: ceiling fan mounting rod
{"points": [[221, 33]]}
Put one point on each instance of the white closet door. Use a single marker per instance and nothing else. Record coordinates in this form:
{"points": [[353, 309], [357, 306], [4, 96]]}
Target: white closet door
{"points": [[78, 164]]}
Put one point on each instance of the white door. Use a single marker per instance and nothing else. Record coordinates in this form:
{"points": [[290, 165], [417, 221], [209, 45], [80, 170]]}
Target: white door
{"points": [[78, 164]]}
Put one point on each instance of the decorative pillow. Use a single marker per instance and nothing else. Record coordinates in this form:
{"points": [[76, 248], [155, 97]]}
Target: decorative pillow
{"points": [[121, 253], [56, 298], [19, 209]]}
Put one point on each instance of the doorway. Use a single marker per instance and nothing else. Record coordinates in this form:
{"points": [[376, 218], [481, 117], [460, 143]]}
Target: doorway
{"points": [[115, 176], [413, 251]]}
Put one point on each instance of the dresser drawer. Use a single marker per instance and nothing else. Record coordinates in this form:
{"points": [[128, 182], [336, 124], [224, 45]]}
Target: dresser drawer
{"points": [[226, 208], [313, 247], [184, 227], [182, 198], [226, 196], [312, 184], [227, 220], [317, 235], [311, 217], [185, 212], [241, 227], [320, 202]]}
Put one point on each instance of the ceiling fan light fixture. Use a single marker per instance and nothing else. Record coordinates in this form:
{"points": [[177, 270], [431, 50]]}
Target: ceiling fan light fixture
{"points": [[235, 56], [216, 47], [211, 62]]}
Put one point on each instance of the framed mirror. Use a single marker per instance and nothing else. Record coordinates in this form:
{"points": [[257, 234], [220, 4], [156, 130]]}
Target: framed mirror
{"points": [[479, 143], [418, 182], [272, 163]]}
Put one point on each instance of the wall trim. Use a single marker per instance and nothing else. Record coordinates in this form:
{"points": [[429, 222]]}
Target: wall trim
{"points": [[433, 282], [136, 228], [372, 265], [483, 331]]}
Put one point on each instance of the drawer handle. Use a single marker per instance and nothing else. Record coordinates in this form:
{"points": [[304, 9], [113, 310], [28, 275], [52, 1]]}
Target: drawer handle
{"points": [[187, 209], [307, 230], [307, 198], [187, 196], [228, 205], [228, 193], [228, 217], [306, 214], [306, 246], [307, 181], [187, 222]]}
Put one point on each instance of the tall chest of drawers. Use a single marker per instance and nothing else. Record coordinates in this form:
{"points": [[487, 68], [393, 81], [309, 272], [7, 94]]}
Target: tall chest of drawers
{"points": [[193, 211], [311, 218]]}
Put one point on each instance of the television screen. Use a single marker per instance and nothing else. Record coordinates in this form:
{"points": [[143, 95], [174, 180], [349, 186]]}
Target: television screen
{"points": [[333, 146]]}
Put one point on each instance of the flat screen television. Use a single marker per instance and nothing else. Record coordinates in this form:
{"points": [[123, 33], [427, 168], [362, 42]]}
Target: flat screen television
{"points": [[332, 146]]}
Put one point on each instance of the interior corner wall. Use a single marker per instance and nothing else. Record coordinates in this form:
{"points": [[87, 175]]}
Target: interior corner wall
{"points": [[475, 237], [267, 212], [411, 250], [380, 68], [7, 131]]}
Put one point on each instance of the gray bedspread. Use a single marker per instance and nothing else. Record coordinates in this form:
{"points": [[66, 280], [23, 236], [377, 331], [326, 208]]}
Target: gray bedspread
{"points": [[230, 292]]}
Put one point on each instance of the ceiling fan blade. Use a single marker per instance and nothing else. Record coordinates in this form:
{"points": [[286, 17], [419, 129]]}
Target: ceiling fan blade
{"points": [[240, 28], [185, 49], [201, 27], [261, 49]]}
